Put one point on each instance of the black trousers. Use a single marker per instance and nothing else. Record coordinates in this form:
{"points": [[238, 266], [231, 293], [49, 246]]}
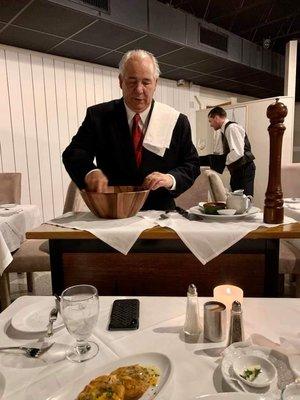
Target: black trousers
{"points": [[243, 178]]}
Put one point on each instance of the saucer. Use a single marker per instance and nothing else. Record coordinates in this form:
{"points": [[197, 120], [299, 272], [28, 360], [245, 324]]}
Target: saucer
{"points": [[284, 375]]}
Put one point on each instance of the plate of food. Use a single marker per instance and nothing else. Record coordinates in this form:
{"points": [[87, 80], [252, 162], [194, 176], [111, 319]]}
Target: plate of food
{"points": [[243, 350], [34, 318], [218, 211], [143, 376]]}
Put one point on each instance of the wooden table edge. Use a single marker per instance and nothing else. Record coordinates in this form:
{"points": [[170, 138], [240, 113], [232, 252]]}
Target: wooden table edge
{"points": [[46, 231]]}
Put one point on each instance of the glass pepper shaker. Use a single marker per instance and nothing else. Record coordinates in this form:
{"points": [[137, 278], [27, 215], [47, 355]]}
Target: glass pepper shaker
{"points": [[236, 330]]}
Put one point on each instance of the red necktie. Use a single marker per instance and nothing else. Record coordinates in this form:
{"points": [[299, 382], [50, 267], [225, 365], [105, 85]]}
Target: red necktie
{"points": [[137, 138]]}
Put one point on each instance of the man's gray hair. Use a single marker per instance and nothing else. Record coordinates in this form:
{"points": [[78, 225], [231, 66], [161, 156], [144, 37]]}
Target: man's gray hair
{"points": [[142, 54]]}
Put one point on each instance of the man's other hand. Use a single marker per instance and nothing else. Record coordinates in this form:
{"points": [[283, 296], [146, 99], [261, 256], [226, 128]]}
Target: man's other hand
{"points": [[96, 181], [156, 180]]}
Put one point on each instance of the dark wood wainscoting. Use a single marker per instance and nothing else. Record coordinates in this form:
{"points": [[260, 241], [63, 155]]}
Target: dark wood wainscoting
{"points": [[164, 268]]}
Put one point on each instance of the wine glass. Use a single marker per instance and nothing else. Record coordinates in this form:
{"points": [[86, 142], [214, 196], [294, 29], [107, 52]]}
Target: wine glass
{"points": [[79, 309], [201, 144]]}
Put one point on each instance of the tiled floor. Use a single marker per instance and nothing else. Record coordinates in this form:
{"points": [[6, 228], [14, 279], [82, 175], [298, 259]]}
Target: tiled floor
{"points": [[42, 285]]}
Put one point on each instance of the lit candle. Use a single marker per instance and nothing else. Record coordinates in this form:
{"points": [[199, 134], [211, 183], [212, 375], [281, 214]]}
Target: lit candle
{"points": [[227, 294]]}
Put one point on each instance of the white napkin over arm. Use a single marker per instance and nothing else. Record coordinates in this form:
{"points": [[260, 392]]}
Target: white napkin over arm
{"points": [[160, 129]]}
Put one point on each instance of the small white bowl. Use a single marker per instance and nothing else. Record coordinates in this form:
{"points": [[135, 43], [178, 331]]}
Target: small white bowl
{"points": [[227, 211], [265, 377], [291, 392]]}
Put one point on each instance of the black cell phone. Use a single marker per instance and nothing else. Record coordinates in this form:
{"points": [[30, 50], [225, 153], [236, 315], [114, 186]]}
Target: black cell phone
{"points": [[124, 315]]}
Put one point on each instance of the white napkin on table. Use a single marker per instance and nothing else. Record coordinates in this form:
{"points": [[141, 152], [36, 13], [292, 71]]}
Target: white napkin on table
{"points": [[160, 129], [290, 346], [208, 238], [293, 206], [121, 234]]}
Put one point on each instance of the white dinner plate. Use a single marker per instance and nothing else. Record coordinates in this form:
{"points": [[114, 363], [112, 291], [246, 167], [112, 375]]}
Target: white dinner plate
{"points": [[251, 212], [157, 360], [233, 396], [280, 361], [35, 317], [292, 200]]}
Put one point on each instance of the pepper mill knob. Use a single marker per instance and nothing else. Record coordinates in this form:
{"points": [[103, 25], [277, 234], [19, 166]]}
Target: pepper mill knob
{"points": [[277, 112], [273, 210]]}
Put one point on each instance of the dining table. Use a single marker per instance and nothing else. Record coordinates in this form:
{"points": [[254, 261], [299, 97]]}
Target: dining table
{"points": [[196, 366], [151, 255], [15, 221]]}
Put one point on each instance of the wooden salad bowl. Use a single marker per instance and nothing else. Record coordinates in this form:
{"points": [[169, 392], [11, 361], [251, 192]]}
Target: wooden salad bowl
{"points": [[116, 202]]}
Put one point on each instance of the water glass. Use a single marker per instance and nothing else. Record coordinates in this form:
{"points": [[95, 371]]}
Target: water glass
{"points": [[79, 309]]}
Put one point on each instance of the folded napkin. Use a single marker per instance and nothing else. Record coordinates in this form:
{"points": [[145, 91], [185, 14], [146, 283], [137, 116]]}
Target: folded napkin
{"points": [[295, 206], [6, 212], [290, 346], [160, 129], [120, 234], [208, 238], [5, 254]]}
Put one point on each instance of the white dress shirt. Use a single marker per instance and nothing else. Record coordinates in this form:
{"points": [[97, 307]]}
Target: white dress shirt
{"points": [[235, 135], [143, 125]]}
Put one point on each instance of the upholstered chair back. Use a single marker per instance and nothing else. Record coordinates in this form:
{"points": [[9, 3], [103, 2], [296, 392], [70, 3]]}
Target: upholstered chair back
{"points": [[10, 187], [290, 180], [74, 201]]}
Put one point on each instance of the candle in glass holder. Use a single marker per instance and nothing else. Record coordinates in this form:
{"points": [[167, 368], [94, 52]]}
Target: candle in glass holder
{"points": [[227, 294]]}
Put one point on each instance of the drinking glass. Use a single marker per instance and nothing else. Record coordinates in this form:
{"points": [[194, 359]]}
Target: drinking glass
{"points": [[79, 309], [201, 144]]}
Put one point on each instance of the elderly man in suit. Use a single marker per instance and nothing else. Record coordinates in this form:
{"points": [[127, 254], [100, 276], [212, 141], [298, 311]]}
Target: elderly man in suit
{"points": [[135, 140]]}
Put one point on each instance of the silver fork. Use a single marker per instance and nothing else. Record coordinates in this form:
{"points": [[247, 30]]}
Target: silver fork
{"points": [[52, 319], [32, 352]]}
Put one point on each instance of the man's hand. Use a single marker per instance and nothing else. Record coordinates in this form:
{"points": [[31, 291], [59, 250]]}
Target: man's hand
{"points": [[96, 181], [156, 180]]}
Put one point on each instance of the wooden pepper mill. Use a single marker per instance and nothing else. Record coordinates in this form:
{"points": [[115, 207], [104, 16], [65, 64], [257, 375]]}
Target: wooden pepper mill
{"points": [[273, 210]]}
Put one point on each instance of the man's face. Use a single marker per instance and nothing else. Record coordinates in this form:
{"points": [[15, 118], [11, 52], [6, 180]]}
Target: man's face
{"points": [[138, 83], [216, 122]]}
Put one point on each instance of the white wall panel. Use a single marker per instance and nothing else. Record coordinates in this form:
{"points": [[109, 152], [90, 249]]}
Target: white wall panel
{"points": [[43, 102], [34, 176], [17, 122], [6, 133]]}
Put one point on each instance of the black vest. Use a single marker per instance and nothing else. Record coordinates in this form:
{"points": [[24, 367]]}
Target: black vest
{"points": [[247, 157]]}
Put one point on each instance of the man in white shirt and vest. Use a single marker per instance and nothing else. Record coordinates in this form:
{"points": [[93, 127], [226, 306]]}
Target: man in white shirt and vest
{"points": [[233, 151]]}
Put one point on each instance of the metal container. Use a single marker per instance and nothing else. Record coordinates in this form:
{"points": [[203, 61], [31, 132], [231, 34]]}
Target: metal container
{"points": [[214, 321]]}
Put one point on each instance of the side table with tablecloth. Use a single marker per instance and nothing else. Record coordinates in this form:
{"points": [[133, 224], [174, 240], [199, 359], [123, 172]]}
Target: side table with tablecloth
{"points": [[14, 223]]}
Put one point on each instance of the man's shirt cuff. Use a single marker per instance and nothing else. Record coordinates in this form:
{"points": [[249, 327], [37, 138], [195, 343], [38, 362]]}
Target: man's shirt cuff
{"points": [[173, 187], [92, 170]]}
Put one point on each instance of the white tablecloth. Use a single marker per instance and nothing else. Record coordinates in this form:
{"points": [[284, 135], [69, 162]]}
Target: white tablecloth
{"points": [[292, 210], [161, 320], [206, 239], [14, 223]]}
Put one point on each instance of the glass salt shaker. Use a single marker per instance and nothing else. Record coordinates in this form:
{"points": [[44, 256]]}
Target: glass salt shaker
{"points": [[192, 324], [236, 330]]}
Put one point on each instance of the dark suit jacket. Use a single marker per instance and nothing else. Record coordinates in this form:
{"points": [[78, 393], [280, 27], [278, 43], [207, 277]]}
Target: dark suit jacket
{"points": [[105, 134]]}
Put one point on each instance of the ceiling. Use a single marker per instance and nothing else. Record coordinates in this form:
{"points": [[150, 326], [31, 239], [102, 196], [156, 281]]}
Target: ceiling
{"points": [[70, 29], [270, 23]]}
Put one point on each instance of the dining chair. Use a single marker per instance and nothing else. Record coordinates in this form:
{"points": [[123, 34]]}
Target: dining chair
{"points": [[289, 254], [10, 187], [33, 255]]}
